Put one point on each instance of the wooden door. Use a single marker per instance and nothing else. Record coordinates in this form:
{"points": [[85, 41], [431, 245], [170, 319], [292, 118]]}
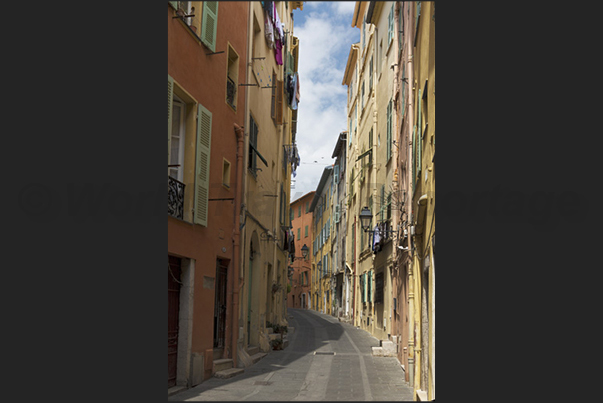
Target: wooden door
{"points": [[220, 304], [174, 283]]}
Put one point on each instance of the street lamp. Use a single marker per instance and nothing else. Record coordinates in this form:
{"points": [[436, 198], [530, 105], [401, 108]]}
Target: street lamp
{"points": [[304, 251], [365, 221], [304, 255]]}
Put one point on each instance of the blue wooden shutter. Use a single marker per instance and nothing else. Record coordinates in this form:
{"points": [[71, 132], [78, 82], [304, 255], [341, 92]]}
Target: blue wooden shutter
{"points": [[209, 24], [204, 118]]}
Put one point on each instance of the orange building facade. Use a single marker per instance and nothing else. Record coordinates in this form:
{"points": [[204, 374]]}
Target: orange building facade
{"points": [[206, 110], [300, 269]]}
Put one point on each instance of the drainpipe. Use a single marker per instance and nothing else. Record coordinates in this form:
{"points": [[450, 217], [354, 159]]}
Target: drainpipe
{"points": [[411, 285], [236, 238]]}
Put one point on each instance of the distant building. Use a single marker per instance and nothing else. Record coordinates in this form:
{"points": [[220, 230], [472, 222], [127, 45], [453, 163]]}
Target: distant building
{"points": [[300, 267]]}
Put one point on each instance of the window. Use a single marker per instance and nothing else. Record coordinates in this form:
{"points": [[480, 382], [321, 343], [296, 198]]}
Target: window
{"points": [[369, 287], [390, 26], [204, 118], [362, 98], [253, 145], [232, 78], [298, 234], [370, 75], [307, 207], [306, 232], [226, 173], [209, 24], [389, 130], [419, 127], [291, 215], [299, 211], [284, 205], [276, 111], [176, 162], [379, 288], [177, 109]]}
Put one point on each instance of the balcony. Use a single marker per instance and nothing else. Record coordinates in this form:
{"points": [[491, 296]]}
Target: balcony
{"points": [[231, 91], [175, 198]]}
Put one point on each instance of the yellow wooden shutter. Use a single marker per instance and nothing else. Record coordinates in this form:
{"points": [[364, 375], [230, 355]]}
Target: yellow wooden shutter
{"points": [[202, 165]]}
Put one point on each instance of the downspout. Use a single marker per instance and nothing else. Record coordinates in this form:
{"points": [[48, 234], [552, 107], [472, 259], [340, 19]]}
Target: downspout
{"points": [[241, 200], [395, 132], [411, 286], [236, 238]]}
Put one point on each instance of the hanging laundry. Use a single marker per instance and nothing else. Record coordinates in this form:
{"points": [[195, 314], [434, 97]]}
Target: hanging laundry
{"points": [[268, 6], [296, 87], [278, 54], [376, 239], [294, 98], [268, 31], [278, 27]]}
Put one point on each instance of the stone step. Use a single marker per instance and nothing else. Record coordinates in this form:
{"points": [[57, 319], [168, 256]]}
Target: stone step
{"points": [[175, 389], [228, 373], [377, 351], [388, 346], [258, 356], [253, 350], [222, 364]]}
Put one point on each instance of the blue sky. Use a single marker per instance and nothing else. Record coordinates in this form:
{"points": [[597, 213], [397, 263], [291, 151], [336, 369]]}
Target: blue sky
{"points": [[325, 34]]}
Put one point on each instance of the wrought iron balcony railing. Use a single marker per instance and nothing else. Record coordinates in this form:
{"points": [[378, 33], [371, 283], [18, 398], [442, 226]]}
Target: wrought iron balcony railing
{"points": [[231, 91], [175, 198]]}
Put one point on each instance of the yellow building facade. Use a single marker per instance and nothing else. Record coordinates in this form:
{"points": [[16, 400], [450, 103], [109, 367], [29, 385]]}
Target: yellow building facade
{"points": [[423, 199], [264, 218], [322, 258]]}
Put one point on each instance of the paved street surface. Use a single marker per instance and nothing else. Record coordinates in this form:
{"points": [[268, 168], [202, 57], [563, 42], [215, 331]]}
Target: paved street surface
{"points": [[297, 373]]}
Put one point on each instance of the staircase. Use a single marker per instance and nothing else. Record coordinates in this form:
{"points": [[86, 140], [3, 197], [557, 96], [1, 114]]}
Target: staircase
{"points": [[223, 369], [255, 354], [387, 349]]}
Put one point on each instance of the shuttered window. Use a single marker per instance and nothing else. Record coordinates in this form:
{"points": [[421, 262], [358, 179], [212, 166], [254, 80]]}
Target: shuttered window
{"points": [[204, 118], [306, 232], [419, 140], [369, 287], [276, 108], [389, 130], [170, 98], [390, 26], [209, 24]]}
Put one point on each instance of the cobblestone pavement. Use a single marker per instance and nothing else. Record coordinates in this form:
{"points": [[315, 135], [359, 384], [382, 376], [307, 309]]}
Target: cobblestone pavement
{"points": [[300, 372]]}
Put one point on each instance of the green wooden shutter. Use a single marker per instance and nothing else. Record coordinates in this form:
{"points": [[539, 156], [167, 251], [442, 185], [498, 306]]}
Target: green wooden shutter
{"points": [[382, 203], [414, 156], [170, 98], [204, 118], [370, 287], [209, 24], [389, 130], [362, 285]]}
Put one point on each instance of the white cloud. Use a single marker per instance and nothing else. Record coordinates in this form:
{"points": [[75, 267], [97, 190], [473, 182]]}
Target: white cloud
{"points": [[325, 35]]}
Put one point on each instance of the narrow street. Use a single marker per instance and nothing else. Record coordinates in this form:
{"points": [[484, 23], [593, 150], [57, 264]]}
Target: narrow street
{"points": [[301, 372]]}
